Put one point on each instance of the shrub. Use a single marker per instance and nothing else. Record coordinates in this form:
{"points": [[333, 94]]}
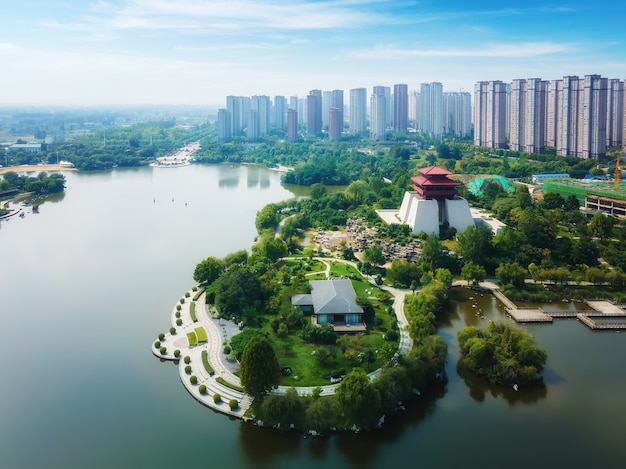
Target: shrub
{"points": [[177, 314], [178, 307], [157, 344], [193, 379], [217, 398], [188, 369], [187, 359], [177, 353], [233, 404], [186, 294], [162, 350], [161, 336], [378, 321], [227, 349], [194, 288], [173, 330], [182, 300], [202, 389], [179, 322]]}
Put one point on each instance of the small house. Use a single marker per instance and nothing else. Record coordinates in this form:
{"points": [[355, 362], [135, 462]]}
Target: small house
{"points": [[332, 302]]}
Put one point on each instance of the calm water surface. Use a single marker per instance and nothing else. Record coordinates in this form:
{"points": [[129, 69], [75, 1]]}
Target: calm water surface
{"points": [[88, 283]]}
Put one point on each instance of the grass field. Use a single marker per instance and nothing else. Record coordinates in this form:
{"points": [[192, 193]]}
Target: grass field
{"points": [[201, 335], [192, 338]]}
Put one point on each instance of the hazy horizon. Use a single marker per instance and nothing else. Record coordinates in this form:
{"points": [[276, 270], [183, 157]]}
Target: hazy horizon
{"points": [[192, 52]]}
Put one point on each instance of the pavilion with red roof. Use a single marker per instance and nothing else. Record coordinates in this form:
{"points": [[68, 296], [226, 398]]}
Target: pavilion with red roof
{"points": [[433, 202]]}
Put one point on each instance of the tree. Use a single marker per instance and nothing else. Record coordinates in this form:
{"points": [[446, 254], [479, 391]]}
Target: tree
{"points": [[208, 270], [375, 255], [259, 371], [512, 273], [473, 273], [358, 398], [601, 226], [274, 248], [475, 244], [267, 218]]}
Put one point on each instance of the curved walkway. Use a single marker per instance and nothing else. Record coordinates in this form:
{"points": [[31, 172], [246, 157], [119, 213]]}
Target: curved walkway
{"points": [[220, 331]]}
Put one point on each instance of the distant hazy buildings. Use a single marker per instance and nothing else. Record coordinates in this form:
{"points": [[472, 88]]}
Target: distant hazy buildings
{"points": [[314, 112], [457, 114], [292, 125], [378, 111], [358, 111], [400, 108]]}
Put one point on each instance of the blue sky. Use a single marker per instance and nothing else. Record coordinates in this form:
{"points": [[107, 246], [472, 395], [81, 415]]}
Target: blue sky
{"points": [[110, 52]]}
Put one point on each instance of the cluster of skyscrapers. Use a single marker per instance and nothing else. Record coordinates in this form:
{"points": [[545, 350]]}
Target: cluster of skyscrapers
{"points": [[429, 111], [576, 116]]}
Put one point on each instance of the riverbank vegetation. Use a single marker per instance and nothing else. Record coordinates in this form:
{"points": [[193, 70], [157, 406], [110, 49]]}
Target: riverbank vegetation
{"points": [[501, 354]]}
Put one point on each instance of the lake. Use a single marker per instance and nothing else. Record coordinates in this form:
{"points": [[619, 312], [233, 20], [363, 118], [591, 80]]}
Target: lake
{"points": [[89, 282]]}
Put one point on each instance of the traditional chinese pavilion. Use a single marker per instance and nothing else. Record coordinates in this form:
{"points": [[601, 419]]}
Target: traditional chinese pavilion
{"points": [[434, 202]]}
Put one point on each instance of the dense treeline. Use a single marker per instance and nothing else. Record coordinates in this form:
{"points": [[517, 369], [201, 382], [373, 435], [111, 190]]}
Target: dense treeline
{"points": [[117, 146], [501, 354], [42, 184]]}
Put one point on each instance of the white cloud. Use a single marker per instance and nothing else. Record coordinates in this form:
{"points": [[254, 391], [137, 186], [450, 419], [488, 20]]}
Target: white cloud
{"points": [[529, 49]]}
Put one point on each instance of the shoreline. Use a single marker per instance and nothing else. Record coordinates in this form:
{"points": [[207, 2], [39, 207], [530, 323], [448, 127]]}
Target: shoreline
{"points": [[32, 168]]}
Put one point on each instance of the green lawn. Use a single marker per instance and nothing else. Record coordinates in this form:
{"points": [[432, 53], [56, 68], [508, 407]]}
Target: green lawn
{"points": [[192, 338], [339, 269], [201, 335]]}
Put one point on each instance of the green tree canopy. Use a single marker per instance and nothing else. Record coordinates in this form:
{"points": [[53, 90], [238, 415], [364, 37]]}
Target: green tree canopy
{"points": [[359, 399], [208, 270], [259, 371]]}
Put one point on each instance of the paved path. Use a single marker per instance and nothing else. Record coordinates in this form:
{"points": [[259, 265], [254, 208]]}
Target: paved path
{"points": [[220, 331]]}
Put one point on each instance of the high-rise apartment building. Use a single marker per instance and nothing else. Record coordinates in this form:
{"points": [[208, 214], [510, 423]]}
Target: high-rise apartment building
{"points": [[430, 113], [457, 111], [490, 110], [263, 107], [378, 110], [337, 103], [615, 113], [314, 112], [553, 94], [335, 123], [567, 121], [592, 132], [414, 97], [292, 125], [279, 113], [327, 102], [234, 105], [400, 108], [358, 111], [224, 126], [527, 118]]}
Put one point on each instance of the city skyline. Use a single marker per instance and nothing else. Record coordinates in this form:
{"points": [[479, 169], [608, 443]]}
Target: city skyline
{"points": [[135, 52]]}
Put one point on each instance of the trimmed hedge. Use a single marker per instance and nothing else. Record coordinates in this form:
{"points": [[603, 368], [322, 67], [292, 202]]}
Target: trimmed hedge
{"points": [[233, 404], [193, 379], [217, 398], [205, 362], [198, 294], [202, 389], [223, 382], [192, 312]]}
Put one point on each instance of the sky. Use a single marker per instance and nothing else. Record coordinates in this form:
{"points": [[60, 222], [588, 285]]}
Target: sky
{"points": [[196, 52]]}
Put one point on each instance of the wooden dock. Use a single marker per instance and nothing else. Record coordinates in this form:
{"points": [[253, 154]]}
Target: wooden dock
{"points": [[600, 310]]}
